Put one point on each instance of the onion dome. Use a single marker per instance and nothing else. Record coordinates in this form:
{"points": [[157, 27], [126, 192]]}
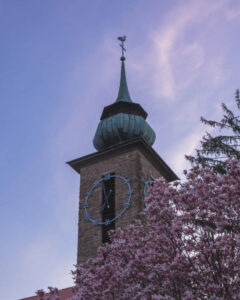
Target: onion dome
{"points": [[123, 120]]}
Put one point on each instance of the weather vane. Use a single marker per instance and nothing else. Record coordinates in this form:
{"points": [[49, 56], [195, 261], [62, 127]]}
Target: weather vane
{"points": [[122, 39]]}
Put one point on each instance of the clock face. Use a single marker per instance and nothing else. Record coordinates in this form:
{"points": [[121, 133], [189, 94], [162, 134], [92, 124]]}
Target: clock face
{"points": [[105, 213], [147, 183]]}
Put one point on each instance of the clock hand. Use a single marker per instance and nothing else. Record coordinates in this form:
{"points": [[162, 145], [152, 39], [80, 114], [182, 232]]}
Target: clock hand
{"points": [[102, 207], [106, 201], [105, 197], [109, 193], [104, 190]]}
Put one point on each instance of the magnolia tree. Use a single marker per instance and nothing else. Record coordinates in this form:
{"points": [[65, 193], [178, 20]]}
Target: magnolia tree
{"points": [[53, 294], [184, 245]]}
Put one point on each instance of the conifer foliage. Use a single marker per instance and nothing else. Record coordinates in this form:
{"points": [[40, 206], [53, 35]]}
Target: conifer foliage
{"points": [[214, 151], [186, 245]]}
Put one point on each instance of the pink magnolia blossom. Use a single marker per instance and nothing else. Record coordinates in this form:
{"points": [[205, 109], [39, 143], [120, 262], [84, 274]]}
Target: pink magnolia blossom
{"points": [[184, 245], [52, 294]]}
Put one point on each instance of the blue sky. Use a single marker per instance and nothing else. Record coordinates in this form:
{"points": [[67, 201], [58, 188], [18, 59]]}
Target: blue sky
{"points": [[59, 67]]}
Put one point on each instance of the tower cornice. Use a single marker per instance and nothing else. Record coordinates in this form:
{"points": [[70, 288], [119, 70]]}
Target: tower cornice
{"points": [[138, 144]]}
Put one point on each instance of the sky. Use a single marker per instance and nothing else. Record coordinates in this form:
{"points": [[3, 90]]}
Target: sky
{"points": [[59, 67]]}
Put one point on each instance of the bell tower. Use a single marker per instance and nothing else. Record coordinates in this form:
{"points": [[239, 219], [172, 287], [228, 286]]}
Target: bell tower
{"points": [[114, 179]]}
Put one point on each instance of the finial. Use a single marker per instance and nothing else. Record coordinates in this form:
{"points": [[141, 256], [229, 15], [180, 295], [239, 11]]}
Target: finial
{"points": [[122, 39]]}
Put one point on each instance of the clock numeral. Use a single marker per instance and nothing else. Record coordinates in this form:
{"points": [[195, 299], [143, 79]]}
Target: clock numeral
{"points": [[107, 222], [96, 183], [88, 194], [127, 205], [119, 216], [107, 177], [95, 222], [87, 216], [85, 205], [130, 192]]}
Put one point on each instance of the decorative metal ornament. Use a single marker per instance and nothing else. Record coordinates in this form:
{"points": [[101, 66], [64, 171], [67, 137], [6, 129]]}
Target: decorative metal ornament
{"points": [[122, 39], [127, 204]]}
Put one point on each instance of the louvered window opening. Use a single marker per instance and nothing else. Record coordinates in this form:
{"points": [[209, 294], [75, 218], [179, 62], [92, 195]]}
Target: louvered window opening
{"points": [[108, 212]]}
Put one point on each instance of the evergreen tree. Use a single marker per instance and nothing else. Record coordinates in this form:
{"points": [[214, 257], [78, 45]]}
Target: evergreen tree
{"points": [[214, 151]]}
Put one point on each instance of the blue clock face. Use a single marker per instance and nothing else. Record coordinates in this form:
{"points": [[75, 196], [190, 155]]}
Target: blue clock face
{"points": [[147, 183], [107, 204]]}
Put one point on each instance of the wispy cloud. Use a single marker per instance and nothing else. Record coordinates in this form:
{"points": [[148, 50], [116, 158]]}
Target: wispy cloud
{"points": [[181, 53]]}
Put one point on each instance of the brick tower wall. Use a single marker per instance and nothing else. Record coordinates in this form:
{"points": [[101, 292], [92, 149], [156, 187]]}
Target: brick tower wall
{"points": [[131, 164]]}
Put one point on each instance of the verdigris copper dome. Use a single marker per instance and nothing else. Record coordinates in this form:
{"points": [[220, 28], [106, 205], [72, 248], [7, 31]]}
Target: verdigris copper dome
{"points": [[123, 120]]}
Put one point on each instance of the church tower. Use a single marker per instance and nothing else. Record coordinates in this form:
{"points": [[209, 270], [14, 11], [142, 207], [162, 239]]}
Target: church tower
{"points": [[114, 179]]}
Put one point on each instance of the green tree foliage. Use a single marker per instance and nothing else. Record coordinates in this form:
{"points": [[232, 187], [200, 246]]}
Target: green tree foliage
{"points": [[214, 151]]}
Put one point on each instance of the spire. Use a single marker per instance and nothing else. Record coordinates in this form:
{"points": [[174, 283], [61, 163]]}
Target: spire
{"points": [[123, 93], [122, 120]]}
